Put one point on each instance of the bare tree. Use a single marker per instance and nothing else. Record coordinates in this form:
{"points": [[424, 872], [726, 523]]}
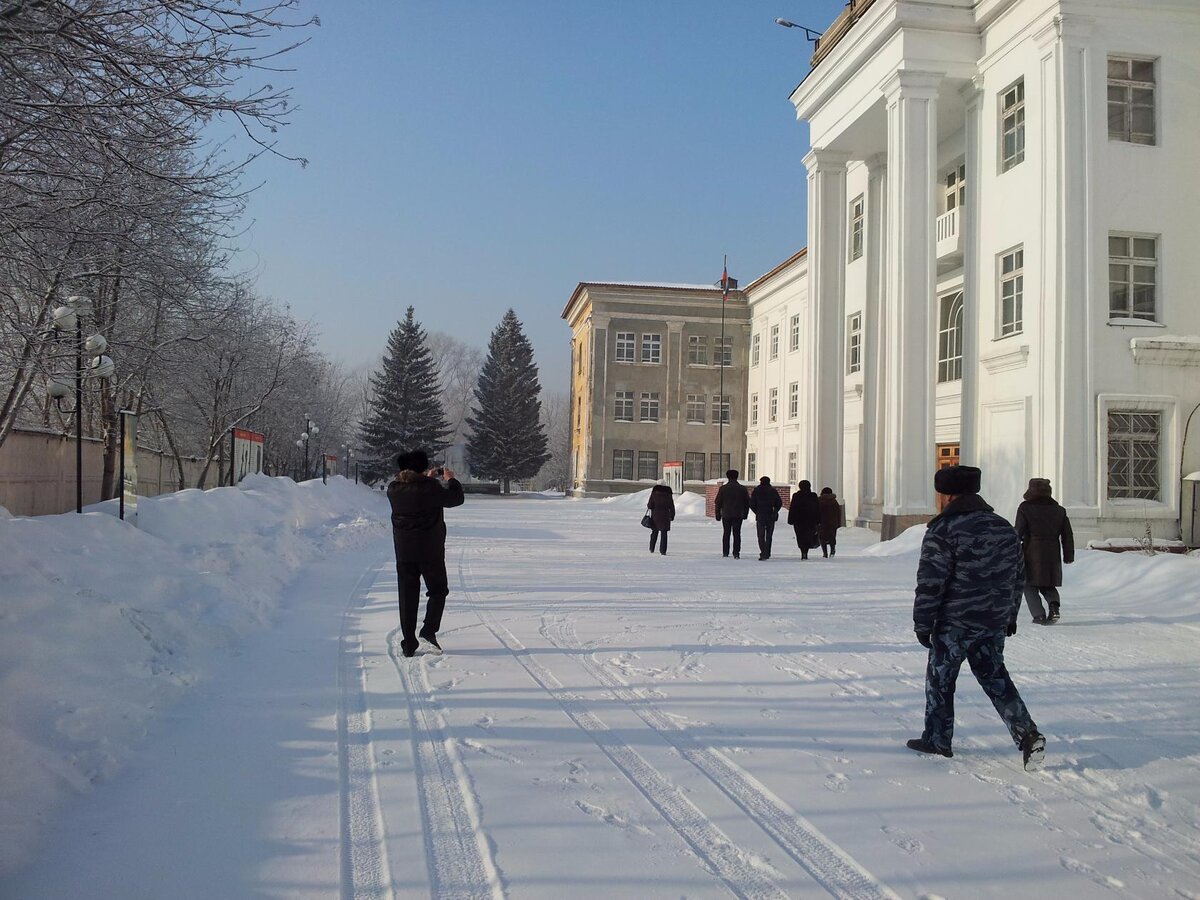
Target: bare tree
{"points": [[555, 473], [458, 365]]}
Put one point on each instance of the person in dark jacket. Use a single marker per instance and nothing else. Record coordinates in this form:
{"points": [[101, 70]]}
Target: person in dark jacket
{"points": [[766, 503], [418, 496], [804, 515], [1043, 527], [662, 511], [968, 592], [732, 508], [830, 520]]}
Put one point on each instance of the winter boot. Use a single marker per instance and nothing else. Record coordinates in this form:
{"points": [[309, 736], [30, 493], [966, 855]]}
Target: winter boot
{"points": [[1033, 750], [1039, 620], [923, 746], [1053, 617], [428, 644]]}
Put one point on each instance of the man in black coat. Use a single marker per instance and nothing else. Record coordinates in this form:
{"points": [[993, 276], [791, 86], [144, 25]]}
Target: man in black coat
{"points": [[1044, 528], [766, 503], [732, 508], [418, 495]]}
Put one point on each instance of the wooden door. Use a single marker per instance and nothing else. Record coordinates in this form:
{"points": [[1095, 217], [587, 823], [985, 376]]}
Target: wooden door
{"points": [[947, 455]]}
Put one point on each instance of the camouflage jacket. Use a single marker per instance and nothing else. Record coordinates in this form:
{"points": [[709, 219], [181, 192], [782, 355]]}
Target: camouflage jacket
{"points": [[971, 570]]}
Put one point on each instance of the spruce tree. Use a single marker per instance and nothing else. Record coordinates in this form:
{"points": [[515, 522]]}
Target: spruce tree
{"points": [[407, 408], [507, 439]]}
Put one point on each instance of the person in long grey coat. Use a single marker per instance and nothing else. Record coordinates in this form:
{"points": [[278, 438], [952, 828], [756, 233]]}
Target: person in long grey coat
{"points": [[1047, 543], [662, 511]]}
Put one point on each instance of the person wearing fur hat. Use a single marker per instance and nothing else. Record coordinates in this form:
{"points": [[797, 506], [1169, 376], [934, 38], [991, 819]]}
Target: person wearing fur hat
{"points": [[831, 521], [418, 495], [661, 507], [804, 515], [1044, 528], [766, 503], [732, 508], [969, 583]]}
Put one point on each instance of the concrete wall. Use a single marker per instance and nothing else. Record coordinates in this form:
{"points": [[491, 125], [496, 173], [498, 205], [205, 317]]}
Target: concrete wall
{"points": [[37, 472]]}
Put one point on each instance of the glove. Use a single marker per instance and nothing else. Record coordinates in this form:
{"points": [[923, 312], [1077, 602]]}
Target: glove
{"points": [[924, 639], [1011, 629], [718, 518]]}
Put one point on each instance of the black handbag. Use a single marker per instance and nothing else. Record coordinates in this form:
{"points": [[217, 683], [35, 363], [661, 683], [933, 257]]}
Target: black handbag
{"points": [[647, 522]]}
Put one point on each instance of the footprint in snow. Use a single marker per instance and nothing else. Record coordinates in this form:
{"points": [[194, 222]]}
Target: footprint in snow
{"points": [[836, 782], [484, 722], [1082, 868]]}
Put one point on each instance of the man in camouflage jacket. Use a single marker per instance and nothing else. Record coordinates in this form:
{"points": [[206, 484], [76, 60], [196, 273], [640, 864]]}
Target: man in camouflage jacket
{"points": [[969, 586]]}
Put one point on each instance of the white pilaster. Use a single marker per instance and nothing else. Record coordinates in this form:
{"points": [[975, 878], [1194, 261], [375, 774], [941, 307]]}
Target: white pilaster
{"points": [[874, 354], [912, 163], [825, 318], [969, 220]]}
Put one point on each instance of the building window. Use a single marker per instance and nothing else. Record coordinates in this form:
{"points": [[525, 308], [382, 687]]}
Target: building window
{"points": [[793, 399], [755, 349], [774, 342], [1012, 126], [623, 464], [1131, 100], [794, 329], [693, 467], [651, 348], [751, 466], [1012, 291], [695, 409], [697, 350], [723, 352], [720, 409], [648, 465], [1132, 277], [718, 465], [623, 408], [956, 188], [1133, 455], [793, 466], [856, 228], [950, 338], [754, 409], [773, 404], [853, 343], [649, 410], [624, 346]]}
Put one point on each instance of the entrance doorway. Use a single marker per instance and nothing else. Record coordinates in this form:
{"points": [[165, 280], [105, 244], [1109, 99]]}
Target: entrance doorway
{"points": [[947, 455]]}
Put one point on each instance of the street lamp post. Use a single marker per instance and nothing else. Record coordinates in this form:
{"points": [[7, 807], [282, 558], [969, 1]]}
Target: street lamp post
{"points": [[310, 430]]}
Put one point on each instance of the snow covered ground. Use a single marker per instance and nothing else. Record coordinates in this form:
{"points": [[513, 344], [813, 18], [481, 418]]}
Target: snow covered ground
{"points": [[215, 706]]}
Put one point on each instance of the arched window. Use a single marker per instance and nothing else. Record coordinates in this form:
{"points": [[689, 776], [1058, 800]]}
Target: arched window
{"points": [[950, 338]]}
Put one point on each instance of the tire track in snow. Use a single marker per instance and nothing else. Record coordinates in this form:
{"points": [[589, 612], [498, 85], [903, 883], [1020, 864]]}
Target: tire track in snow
{"points": [[831, 866], [742, 874], [363, 859], [458, 852]]}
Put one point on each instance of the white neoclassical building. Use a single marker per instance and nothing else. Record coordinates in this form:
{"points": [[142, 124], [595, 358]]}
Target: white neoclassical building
{"points": [[1002, 265]]}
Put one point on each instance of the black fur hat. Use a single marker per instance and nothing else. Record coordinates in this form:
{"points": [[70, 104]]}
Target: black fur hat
{"points": [[957, 480], [417, 460]]}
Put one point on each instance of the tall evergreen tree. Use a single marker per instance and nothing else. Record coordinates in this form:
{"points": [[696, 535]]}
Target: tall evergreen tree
{"points": [[407, 408], [507, 440]]}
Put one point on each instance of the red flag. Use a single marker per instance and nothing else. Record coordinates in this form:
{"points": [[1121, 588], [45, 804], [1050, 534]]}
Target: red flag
{"points": [[725, 283]]}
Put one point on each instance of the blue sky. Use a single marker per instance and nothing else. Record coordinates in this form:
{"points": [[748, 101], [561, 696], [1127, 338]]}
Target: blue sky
{"points": [[466, 157]]}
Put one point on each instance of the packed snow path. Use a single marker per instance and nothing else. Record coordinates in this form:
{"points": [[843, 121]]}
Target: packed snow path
{"points": [[610, 723]]}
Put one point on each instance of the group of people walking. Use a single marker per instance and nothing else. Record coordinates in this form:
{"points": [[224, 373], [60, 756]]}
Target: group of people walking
{"points": [[814, 518]]}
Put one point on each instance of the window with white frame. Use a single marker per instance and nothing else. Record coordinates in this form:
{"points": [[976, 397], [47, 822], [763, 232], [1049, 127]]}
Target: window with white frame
{"points": [[1134, 455], [625, 346], [723, 352], [773, 404], [718, 465], [697, 350], [1131, 100], [794, 331], [651, 348], [623, 406], [956, 187], [751, 466], [774, 342], [856, 227], [1012, 291], [695, 409], [1132, 277], [1012, 126], [950, 337], [754, 409], [622, 464], [853, 343], [793, 399], [755, 349], [649, 407], [693, 467], [793, 466], [720, 408], [648, 465]]}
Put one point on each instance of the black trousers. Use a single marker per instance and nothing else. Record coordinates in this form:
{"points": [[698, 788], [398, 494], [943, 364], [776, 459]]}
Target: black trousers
{"points": [[655, 534], [766, 529], [734, 527], [437, 587]]}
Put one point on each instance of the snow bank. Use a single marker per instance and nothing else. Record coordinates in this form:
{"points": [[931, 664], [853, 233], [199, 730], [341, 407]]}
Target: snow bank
{"points": [[907, 542], [102, 625], [632, 501], [686, 504]]}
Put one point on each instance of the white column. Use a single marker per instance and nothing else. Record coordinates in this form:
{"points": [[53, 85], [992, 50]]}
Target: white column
{"points": [[825, 317], [874, 355], [912, 164], [969, 220]]}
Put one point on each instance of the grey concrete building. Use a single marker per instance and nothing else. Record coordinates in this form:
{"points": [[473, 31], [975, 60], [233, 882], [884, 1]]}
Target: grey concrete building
{"points": [[648, 386]]}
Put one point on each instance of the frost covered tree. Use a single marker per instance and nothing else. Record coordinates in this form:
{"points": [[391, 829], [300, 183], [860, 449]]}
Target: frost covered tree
{"points": [[508, 440], [406, 412]]}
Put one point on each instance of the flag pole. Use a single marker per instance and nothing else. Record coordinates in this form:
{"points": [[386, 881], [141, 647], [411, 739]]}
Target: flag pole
{"points": [[721, 351]]}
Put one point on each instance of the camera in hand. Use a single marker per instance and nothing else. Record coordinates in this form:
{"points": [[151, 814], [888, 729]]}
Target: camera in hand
{"points": [[438, 471]]}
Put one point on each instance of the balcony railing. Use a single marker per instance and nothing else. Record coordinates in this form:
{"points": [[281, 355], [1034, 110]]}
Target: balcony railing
{"points": [[947, 234], [837, 30]]}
